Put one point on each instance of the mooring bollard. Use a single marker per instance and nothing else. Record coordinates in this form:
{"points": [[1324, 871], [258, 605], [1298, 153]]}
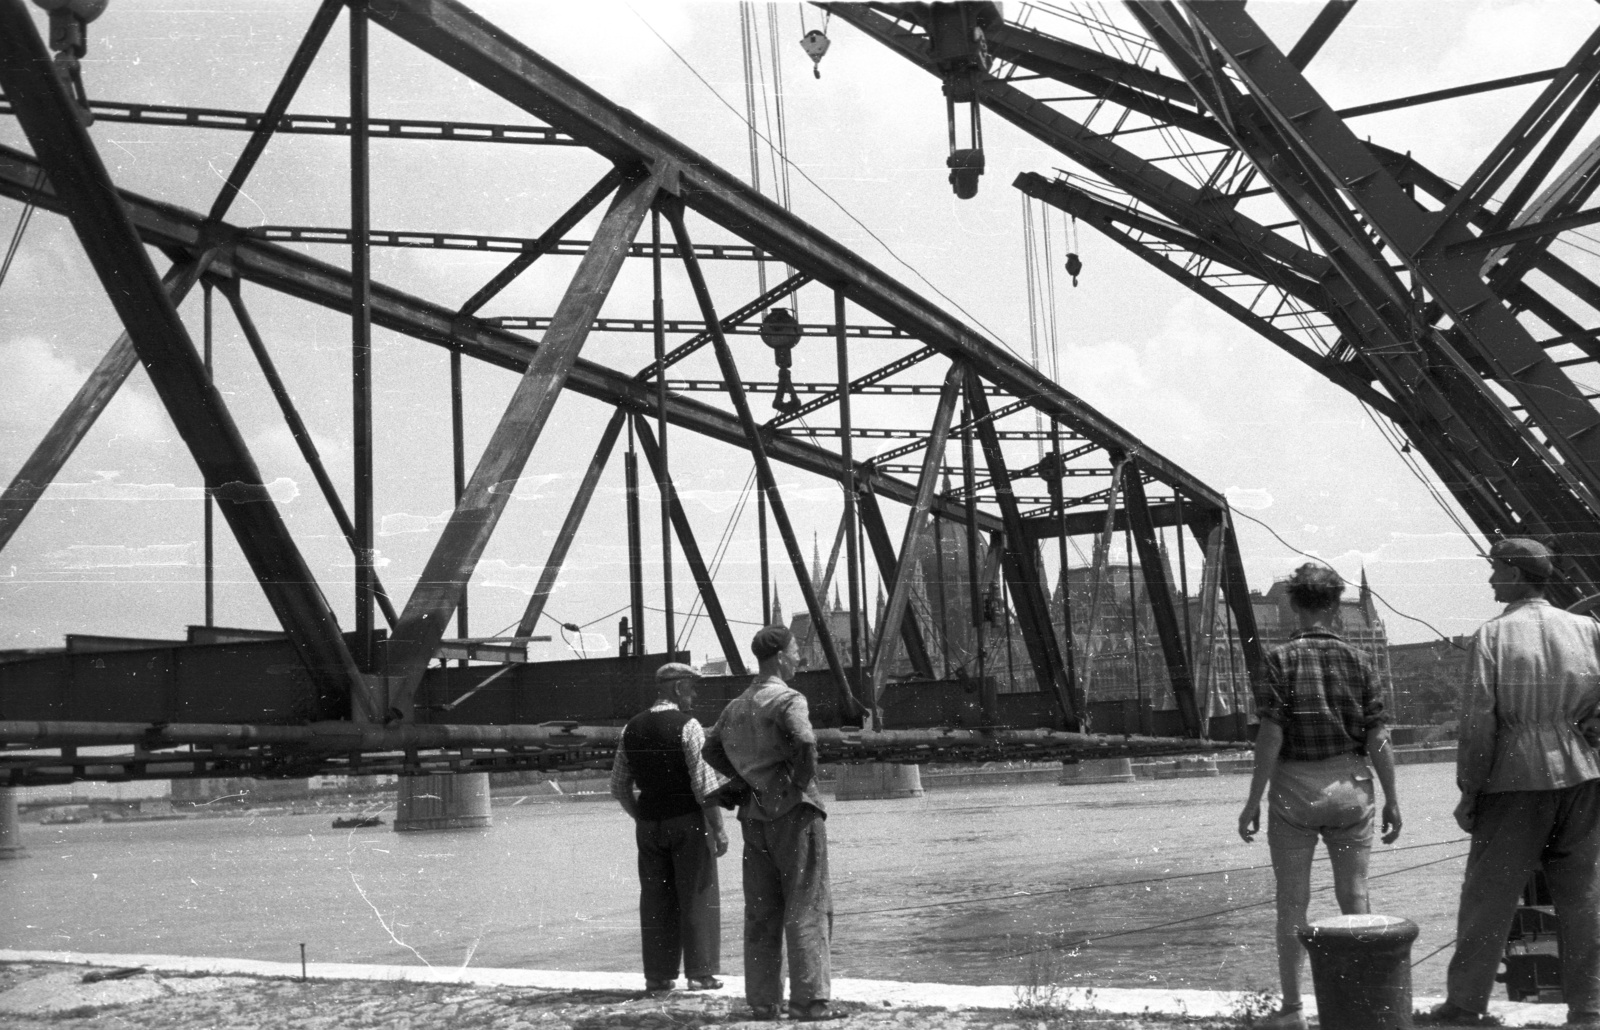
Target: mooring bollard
{"points": [[1361, 966]]}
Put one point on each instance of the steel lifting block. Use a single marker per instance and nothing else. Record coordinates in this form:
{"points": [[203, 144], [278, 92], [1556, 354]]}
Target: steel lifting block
{"points": [[965, 168]]}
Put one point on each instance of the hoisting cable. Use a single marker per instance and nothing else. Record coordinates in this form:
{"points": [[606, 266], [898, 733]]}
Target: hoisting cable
{"points": [[1109, 884], [994, 337], [1374, 593], [697, 609], [1219, 912], [22, 227]]}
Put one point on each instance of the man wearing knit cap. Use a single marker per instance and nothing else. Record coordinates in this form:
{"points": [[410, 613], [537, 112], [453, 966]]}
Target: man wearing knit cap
{"points": [[678, 828], [764, 738], [1530, 786]]}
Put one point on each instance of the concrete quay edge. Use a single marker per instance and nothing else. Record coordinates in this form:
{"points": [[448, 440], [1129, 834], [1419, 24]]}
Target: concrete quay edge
{"points": [[878, 993]]}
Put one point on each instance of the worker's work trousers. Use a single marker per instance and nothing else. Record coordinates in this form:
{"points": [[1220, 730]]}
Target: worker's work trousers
{"points": [[680, 905], [786, 899], [1513, 833]]}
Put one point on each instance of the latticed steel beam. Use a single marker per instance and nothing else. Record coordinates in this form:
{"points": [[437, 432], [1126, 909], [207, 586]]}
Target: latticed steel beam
{"points": [[1021, 564], [49, 116], [1340, 166], [916, 524], [425, 240], [1497, 469], [691, 549], [168, 115], [184, 233], [466, 534], [471, 45]]}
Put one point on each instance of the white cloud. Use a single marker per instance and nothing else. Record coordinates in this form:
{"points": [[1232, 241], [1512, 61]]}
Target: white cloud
{"points": [[1248, 498], [524, 488], [399, 522], [108, 487], [117, 556]]}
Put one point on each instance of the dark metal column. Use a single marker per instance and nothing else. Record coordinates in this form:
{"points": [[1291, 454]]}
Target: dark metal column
{"points": [[691, 551], [761, 548], [848, 480], [662, 468], [969, 494], [883, 549], [1022, 566], [1159, 590], [630, 475], [458, 476], [764, 476], [1238, 596], [916, 524], [361, 332], [467, 533], [50, 119], [569, 528], [297, 429], [210, 543]]}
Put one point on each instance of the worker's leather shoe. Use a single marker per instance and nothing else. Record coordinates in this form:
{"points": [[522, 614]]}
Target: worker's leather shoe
{"points": [[811, 1012], [658, 986], [764, 1012], [1451, 1014], [704, 983], [1283, 1019]]}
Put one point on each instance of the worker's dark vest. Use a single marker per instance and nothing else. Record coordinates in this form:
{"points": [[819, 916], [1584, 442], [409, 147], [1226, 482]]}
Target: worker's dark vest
{"points": [[654, 745]]}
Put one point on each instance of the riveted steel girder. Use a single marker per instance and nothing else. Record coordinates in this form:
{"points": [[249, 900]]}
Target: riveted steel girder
{"points": [[468, 43], [86, 195]]}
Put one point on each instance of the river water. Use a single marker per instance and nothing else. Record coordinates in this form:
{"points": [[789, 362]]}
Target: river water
{"points": [[1121, 885]]}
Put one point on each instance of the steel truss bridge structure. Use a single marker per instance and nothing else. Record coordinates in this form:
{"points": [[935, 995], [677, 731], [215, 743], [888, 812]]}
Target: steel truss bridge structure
{"points": [[1438, 304], [382, 695]]}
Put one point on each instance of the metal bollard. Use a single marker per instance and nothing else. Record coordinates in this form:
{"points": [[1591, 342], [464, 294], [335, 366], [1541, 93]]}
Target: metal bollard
{"points": [[1361, 966]]}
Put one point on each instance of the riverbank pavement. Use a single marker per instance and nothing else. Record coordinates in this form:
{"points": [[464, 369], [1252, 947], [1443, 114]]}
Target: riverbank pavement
{"points": [[42, 990]]}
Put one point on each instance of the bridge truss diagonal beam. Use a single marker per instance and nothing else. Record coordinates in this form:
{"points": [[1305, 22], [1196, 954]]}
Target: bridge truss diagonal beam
{"points": [[438, 591], [49, 116], [466, 42], [1498, 466]]}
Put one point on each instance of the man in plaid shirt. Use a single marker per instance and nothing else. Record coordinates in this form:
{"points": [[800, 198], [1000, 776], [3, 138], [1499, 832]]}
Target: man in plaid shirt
{"points": [[1321, 720]]}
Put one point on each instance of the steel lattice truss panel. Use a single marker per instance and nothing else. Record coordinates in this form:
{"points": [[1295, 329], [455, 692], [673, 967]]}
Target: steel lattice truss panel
{"points": [[1202, 145], [968, 412]]}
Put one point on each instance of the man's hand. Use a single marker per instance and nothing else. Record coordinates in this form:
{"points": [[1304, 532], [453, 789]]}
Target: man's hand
{"points": [[1391, 821], [1590, 728], [1250, 821], [717, 841], [1467, 811]]}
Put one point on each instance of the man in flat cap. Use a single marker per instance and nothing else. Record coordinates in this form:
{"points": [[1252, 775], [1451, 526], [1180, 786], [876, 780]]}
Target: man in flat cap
{"points": [[678, 827], [764, 738], [1530, 786]]}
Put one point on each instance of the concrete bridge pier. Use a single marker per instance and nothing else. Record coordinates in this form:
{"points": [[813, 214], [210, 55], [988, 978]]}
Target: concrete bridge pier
{"points": [[10, 825], [1096, 770], [453, 801], [1188, 769], [870, 781]]}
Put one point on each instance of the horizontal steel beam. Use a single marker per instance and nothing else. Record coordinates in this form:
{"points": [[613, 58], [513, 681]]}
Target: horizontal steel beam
{"points": [[279, 268], [494, 244], [322, 124], [473, 46], [539, 323]]}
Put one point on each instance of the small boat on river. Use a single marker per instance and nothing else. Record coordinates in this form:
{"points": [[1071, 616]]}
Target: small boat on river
{"points": [[356, 822]]}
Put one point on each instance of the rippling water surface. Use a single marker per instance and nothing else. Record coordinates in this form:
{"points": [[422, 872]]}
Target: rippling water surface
{"points": [[1121, 885]]}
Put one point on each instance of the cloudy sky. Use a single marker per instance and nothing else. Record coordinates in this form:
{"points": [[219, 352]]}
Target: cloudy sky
{"points": [[115, 546]]}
